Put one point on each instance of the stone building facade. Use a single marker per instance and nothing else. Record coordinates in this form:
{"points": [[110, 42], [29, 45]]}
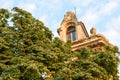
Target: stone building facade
{"points": [[75, 30]]}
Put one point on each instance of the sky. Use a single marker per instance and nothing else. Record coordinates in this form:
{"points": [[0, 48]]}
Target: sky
{"points": [[104, 15]]}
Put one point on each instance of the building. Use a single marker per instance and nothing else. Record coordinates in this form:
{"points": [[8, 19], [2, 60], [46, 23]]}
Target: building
{"points": [[74, 30]]}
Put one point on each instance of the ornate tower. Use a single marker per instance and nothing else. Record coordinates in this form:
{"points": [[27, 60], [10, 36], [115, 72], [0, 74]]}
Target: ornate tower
{"points": [[72, 29]]}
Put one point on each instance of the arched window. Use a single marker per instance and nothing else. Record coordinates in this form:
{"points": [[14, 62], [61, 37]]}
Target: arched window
{"points": [[71, 33]]}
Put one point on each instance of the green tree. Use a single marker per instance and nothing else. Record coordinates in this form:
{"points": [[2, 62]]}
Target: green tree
{"points": [[27, 49]]}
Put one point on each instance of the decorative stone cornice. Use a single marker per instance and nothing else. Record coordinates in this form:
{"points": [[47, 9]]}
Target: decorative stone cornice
{"points": [[94, 41]]}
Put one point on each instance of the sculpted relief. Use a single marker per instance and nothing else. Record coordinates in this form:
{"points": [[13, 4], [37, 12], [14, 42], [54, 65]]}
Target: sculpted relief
{"points": [[69, 16]]}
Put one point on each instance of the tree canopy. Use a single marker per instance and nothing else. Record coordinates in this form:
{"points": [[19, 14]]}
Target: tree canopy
{"points": [[28, 51]]}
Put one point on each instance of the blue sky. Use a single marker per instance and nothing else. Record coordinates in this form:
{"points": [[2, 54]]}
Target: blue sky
{"points": [[104, 15]]}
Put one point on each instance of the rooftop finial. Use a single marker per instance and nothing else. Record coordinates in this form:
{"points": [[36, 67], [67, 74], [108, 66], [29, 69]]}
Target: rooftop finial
{"points": [[75, 10], [93, 31]]}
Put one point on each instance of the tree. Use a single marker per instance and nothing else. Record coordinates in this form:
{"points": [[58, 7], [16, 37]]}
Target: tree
{"points": [[28, 49]]}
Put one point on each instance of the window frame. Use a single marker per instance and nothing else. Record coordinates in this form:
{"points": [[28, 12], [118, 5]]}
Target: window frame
{"points": [[71, 33]]}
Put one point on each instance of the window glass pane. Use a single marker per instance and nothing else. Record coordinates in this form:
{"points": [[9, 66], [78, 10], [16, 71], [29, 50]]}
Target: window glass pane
{"points": [[69, 36], [71, 33], [74, 36]]}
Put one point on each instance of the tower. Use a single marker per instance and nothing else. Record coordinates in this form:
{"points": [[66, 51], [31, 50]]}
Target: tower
{"points": [[71, 29], [74, 30]]}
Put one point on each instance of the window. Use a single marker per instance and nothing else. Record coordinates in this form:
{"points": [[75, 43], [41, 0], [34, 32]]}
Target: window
{"points": [[71, 33]]}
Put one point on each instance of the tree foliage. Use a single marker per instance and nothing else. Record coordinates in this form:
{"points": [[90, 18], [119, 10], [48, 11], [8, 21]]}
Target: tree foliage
{"points": [[28, 49]]}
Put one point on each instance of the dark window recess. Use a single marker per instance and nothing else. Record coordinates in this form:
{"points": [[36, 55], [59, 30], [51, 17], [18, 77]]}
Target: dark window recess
{"points": [[71, 33]]}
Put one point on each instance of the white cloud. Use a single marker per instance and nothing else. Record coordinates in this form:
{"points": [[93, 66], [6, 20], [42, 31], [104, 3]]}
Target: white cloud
{"points": [[51, 5], [6, 4], [112, 35], [86, 2], [109, 7], [82, 2], [114, 24], [90, 18], [112, 31], [44, 19], [27, 6], [55, 4], [54, 27]]}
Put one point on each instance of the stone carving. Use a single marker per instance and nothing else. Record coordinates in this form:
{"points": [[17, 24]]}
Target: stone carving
{"points": [[93, 31], [69, 16]]}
